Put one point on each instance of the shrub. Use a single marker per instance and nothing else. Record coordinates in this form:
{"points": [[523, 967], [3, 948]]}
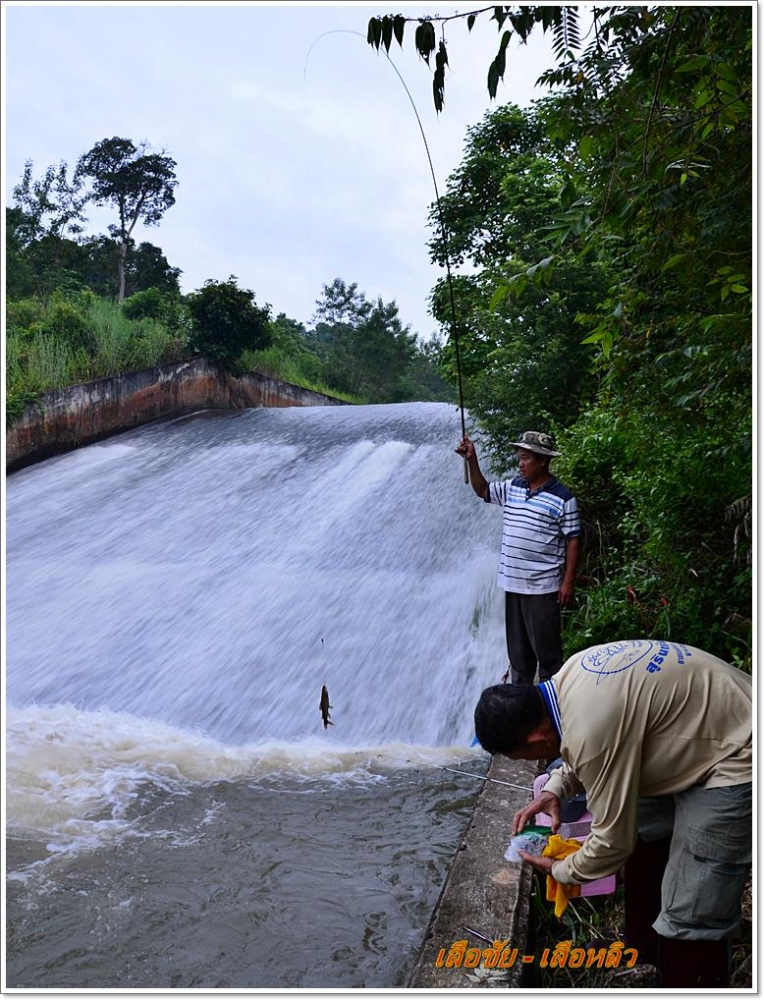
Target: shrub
{"points": [[24, 313], [150, 304], [65, 322], [227, 322]]}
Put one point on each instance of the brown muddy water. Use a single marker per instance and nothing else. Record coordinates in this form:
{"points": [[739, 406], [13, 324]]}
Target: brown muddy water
{"points": [[285, 881]]}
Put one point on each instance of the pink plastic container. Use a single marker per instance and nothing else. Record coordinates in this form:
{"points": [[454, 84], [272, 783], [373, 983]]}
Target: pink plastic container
{"points": [[579, 830]]}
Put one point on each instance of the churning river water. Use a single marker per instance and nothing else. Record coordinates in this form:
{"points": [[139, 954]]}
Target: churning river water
{"points": [[177, 815]]}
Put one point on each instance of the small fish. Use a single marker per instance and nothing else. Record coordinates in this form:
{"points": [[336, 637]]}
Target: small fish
{"points": [[324, 706]]}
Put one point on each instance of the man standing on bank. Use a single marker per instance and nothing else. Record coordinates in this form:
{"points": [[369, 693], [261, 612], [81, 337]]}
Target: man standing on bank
{"points": [[539, 553]]}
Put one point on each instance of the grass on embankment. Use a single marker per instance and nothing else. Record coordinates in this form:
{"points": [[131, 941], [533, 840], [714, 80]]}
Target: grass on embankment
{"points": [[80, 337]]}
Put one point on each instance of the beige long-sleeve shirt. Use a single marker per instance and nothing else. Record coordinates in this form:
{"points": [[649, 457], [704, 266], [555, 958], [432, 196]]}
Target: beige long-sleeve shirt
{"points": [[642, 718]]}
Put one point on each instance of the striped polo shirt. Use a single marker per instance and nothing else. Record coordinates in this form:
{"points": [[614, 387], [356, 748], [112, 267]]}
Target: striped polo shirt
{"points": [[536, 528]]}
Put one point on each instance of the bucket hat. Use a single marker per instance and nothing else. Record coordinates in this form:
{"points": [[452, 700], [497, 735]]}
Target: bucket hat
{"points": [[542, 444]]}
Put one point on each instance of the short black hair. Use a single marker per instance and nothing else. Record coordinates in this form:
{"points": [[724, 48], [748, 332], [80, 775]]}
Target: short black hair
{"points": [[506, 714]]}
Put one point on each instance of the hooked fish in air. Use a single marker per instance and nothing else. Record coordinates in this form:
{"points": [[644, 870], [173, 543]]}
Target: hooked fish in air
{"points": [[325, 706]]}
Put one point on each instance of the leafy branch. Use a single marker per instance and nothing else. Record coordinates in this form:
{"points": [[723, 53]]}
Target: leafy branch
{"points": [[563, 21]]}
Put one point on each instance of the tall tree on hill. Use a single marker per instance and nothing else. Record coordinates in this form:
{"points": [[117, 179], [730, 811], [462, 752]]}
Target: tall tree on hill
{"points": [[141, 185]]}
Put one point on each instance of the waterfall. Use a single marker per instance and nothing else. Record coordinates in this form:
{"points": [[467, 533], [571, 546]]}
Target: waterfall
{"points": [[211, 573]]}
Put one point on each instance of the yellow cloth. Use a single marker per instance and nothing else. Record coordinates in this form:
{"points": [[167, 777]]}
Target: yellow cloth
{"points": [[558, 892]]}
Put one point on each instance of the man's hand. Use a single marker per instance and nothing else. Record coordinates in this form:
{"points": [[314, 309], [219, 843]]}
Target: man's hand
{"points": [[466, 449], [479, 484], [565, 594], [572, 555], [544, 865], [544, 802]]}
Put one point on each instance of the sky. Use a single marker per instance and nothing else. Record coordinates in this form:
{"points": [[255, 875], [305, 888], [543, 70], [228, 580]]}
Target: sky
{"points": [[299, 155]]}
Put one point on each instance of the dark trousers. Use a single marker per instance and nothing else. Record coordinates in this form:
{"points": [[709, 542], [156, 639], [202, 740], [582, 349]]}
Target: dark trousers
{"points": [[534, 639]]}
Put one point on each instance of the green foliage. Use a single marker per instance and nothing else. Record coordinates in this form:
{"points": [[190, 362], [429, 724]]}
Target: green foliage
{"points": [[77, 338], [357, 351], [66, 323], [511, 21], [22, 314], [41, 266], [52, 205], [148, 303], [289, 356], [147, 267], [521, 356], [625, 228], [139, 184], [364, 350], [154, 342], [47, 212], [274, 362], [226, 322], [35, 362], [99, 268], [165, 308]]}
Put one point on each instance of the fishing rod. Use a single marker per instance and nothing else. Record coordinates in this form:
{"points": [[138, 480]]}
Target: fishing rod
{"points": [[453, 770], [449, 280], [443, 231], [477, 934]]}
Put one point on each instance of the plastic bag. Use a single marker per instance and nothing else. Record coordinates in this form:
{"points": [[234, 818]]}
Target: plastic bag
{"points": [[532, 840]]}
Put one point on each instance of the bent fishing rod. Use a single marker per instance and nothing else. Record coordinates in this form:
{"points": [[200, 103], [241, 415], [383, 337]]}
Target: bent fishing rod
{"points": [[443, 231]]}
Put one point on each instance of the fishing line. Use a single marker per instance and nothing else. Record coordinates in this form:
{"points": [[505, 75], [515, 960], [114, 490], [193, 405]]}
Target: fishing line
{"points": [[441, 219], [453, 770]]}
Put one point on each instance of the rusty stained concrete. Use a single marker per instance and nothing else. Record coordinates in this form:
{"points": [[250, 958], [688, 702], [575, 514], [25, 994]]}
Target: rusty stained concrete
{"points": [[81, 414], [482, 892]]}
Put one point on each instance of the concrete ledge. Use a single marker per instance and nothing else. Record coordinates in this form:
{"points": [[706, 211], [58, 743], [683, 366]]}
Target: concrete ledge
{"points": [[483, 892], [82, 414]]}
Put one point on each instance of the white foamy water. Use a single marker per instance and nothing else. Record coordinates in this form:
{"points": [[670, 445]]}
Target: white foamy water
{"points": [[176, 598], [217, 572], [75, 778]]}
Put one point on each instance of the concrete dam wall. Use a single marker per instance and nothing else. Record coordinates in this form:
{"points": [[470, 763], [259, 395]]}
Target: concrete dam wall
{"points": [[81, 414]]}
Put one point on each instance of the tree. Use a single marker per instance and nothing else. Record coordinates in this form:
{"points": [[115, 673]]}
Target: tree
{"points": [[226, 321], [20, 278], [100, 267], [139, 184], [504, 190], [147, 267], [424, 380], [365, 349], [50, 206], [46, 213], [522, 361], [653, 115]]}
